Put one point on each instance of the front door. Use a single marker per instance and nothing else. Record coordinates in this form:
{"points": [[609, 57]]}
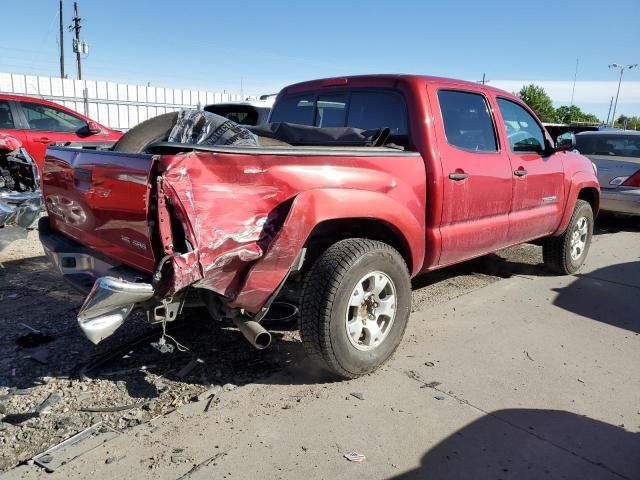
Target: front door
{"points": [[48, 125], [477, 183], [538, 176]]}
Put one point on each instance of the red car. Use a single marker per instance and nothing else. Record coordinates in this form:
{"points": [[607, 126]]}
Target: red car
{"points": [[38, 123], [456, 170]]}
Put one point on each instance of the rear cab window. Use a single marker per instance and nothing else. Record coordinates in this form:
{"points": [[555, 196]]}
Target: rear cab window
{"points": [[366, 109]]}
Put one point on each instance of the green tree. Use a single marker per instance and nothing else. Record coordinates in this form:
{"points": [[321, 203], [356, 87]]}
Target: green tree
{"points": [[622, 122], [630, 123], [539, 101], [573, 114]]}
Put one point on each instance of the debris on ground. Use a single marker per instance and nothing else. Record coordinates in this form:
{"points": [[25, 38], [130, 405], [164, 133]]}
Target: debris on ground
{"points": [[186, 370], [74, 447], [118, 408], [439, 397], [209, 461], [357, 395], [354, 456], [33, 339], [48, 403], [41, 356], [432, 385], [430, 364], [528, 356]]}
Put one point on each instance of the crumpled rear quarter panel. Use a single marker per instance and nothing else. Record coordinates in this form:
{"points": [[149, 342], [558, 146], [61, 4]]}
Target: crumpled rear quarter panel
{"points": [[233, 206]]}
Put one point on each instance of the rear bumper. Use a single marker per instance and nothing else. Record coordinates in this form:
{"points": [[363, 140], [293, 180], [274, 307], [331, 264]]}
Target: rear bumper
{"points": [[620, 200], [114, 290]]}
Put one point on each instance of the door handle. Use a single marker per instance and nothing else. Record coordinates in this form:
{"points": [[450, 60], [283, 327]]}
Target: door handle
{"points": [[520, 172], [457, 176], [41, 140]]}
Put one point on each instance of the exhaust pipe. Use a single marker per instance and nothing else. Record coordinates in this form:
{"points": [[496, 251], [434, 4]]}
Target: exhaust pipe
{"points": [[254, 332]]}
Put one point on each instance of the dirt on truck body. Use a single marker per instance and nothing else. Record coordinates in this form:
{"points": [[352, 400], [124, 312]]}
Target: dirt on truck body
{"points": [[366, 181]]}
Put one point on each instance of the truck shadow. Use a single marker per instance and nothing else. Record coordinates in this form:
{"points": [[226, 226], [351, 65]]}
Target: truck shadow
{"points": [[525, 259], [613, 223], [532, 444], [608, 295]]}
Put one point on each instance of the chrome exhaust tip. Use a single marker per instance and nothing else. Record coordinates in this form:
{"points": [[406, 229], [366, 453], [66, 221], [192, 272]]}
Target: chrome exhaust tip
{"points": [[253, 332]]}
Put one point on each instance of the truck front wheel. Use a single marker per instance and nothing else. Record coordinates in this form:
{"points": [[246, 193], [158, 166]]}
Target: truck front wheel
{"points": [[355, 305], [565, 254]]}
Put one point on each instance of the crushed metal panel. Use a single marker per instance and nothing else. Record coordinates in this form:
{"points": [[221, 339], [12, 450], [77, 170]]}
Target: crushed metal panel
{"points": [[228, 217]]}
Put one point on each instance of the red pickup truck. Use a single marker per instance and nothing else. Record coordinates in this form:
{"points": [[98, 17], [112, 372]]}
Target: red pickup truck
{"points": [[467, 170]]}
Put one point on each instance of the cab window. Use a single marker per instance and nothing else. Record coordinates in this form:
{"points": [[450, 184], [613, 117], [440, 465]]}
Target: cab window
{"points": [[467, 121], [523, 132], [50, 119]]}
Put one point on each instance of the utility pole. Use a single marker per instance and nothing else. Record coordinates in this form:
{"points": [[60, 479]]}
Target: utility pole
{"points": [[76, 44], [615, 105], [575, 76], [61, 44], [484, 80], [609, 112]]}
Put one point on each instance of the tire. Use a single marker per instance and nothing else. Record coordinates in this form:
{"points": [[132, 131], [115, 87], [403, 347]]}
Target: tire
{"points": [[563, 254], [155, 129], [326, 314]]}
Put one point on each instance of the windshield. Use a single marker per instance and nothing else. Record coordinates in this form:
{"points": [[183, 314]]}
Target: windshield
{"points": [[608, 144]]}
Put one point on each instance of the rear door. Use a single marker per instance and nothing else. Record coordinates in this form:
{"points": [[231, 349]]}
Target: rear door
{"points": [[477, 174], [538, 177], [48, 125]]}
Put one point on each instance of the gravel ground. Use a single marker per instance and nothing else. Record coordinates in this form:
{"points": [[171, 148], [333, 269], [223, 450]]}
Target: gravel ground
{"points": [[48, 392]]}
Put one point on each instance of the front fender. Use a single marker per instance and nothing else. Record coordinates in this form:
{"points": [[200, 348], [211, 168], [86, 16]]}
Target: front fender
{"points": [[311, 208], [579, 181]]}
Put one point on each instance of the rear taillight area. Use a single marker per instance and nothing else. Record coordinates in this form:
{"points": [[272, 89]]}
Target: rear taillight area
{"points": [[633, 180]]}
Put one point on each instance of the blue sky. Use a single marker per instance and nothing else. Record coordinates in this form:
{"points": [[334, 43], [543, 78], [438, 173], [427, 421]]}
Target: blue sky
{"points": [[213, 45]]}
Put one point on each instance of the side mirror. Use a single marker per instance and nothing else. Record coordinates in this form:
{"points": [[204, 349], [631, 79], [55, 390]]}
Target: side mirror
{"points": [[93, 128], [565, 142]]}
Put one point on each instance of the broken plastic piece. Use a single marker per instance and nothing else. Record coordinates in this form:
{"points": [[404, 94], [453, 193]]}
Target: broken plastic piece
{"points": [[354, 456]]}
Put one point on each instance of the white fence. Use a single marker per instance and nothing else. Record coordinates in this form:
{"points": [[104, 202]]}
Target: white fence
{"points": [[116, 105]]}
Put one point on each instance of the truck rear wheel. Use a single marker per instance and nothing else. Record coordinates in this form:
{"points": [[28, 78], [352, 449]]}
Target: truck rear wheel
{"points": [[355, 306], [566, 253]]}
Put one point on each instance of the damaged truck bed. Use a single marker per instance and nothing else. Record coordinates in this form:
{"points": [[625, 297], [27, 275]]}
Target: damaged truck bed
{"points": [[167, 225]]}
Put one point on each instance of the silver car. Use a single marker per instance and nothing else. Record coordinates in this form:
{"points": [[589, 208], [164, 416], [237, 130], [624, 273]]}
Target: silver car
{"points": [[616, 154]]}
